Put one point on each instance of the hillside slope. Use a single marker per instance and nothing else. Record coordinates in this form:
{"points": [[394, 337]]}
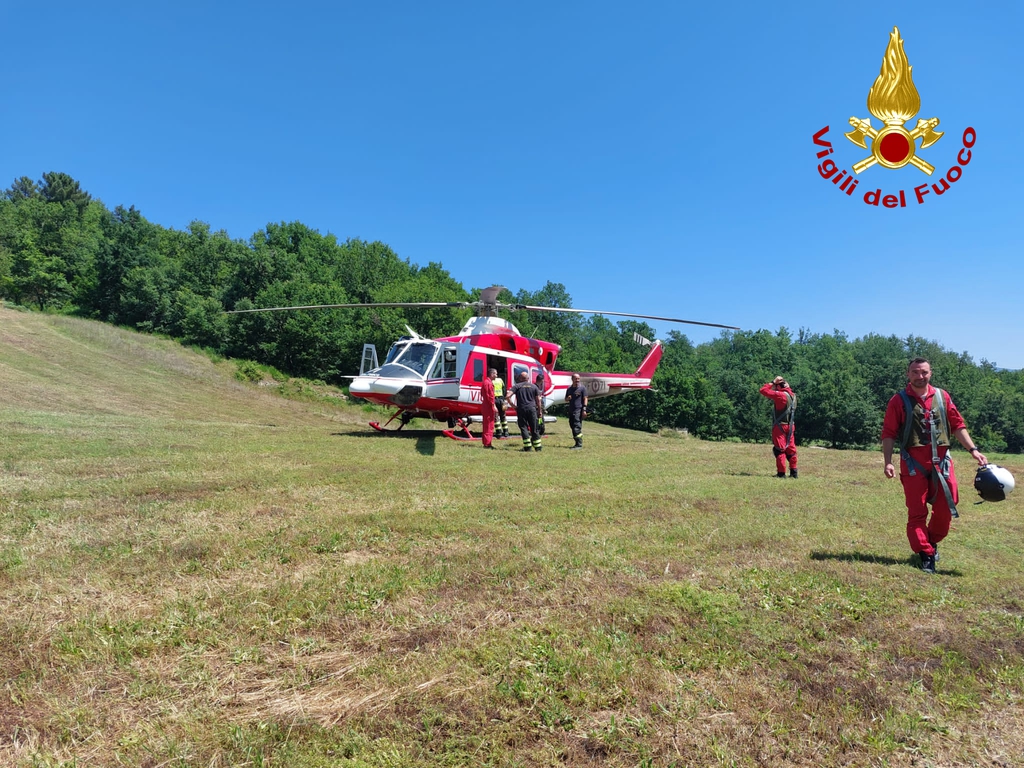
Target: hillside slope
{"points": [[66, 365]]}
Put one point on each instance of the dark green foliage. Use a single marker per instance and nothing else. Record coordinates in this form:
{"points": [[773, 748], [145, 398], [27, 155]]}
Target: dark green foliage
{"points": [[61, 188], [22, 189], [47, 249], [61, 250], [132, 284], [246, 370]]}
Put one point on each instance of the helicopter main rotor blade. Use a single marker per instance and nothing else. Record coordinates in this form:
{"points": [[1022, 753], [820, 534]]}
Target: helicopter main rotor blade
{"points": [[487, 305], [406, 304], [618, 314]]}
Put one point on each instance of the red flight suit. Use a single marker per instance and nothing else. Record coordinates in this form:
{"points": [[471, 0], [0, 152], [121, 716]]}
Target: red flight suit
{"points": [[783, 437], [917, 488], [487, 410]]}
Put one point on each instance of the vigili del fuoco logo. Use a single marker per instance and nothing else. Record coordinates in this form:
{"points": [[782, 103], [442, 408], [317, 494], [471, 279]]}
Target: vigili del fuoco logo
{"points": [[894, 100]]}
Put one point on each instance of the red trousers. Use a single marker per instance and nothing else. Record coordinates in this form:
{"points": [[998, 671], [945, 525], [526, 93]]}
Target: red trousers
{"points": [[780, 439], [488, 425], [923, 533]]}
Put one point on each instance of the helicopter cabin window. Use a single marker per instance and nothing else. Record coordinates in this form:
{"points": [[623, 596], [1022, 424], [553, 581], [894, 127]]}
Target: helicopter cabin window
{"points": [[478, 370], [445, 366], [517, 369], [450, 357]]}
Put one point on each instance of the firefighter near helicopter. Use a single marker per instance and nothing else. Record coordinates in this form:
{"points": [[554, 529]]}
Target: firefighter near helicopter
{"points": [[441, 379]]}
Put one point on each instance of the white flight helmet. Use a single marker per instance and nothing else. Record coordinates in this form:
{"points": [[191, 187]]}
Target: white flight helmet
{"points": [[993, 483]]}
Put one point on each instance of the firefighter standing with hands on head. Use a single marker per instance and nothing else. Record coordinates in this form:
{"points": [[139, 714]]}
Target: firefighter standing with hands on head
{"points": [[783, 425], [921, 420]]}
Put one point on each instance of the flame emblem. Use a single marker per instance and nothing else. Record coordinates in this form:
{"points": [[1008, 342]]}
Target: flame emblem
{"points": [[894, 100]]}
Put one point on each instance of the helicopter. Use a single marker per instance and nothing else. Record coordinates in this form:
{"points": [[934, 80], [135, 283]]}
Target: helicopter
{"points": [[441, 379]]}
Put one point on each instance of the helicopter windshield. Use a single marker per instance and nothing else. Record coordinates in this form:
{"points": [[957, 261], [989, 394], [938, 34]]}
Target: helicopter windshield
{"points": [[416, 356], [396, 349]]}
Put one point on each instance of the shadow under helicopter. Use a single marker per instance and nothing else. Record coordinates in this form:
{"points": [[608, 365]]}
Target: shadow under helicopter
{"points": [[865, 557], [426, 439]]}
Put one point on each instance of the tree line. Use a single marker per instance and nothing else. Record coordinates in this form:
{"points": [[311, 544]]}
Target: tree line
{"points": [[63, 251]]}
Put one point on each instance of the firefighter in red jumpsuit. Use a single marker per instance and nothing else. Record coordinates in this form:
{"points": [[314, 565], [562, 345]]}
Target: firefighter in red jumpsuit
{"points": [[926, 469], [783, 425], [488, 410]]}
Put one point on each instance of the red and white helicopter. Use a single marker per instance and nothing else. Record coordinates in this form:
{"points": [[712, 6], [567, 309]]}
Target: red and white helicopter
{"points": [[441, 379]]}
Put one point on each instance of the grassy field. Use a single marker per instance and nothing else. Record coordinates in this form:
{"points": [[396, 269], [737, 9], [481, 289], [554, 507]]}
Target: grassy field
{"points": [[196, 571]]}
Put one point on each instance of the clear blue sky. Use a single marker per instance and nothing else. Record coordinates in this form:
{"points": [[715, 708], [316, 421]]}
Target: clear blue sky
{"points": [[652, 157]]}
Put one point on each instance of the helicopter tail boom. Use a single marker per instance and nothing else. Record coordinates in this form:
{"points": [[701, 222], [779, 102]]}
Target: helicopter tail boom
{"points": [[605, 384], [650, 362]]}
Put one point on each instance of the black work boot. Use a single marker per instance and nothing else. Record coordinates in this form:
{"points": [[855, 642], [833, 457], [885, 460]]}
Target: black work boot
{"points": [[927, 563], [578, 445], [792, 473], [781, 475]]}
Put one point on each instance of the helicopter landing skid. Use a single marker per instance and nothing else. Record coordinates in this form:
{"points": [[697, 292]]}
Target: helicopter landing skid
{"points": [[405, 419], [464, 438], [459, 431]]}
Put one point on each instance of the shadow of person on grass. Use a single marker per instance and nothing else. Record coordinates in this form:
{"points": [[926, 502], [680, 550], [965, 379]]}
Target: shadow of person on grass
{"points": [[865, 557]]}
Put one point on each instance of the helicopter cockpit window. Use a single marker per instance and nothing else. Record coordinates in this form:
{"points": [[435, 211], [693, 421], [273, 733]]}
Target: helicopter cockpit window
{"points": [[396, 349], [417, 357]]}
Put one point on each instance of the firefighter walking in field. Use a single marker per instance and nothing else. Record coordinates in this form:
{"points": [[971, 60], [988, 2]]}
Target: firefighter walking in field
{"points": [[576, 397], [527, 397], [921, 420], [783, 425]]}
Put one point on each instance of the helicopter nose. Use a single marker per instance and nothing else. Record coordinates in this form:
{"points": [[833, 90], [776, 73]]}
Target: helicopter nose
{"points": [[398, 391], [375, 385], [361, 385]]}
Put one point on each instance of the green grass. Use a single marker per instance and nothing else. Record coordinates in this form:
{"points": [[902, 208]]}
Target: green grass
{"points": [[201, 571]]}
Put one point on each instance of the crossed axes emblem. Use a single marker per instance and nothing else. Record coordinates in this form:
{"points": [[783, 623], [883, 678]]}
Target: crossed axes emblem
{"points": [[925, 131]]}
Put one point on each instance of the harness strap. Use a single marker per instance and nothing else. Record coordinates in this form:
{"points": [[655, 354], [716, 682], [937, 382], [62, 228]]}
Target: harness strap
{"points": [[792, 422]]}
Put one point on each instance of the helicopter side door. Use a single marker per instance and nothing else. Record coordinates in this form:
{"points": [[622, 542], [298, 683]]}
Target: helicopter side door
{"points": [[472, 378], [443, 379], [531, 372]]}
